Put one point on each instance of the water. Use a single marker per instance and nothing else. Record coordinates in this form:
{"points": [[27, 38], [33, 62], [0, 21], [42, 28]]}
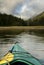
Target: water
{"points": [[31, 43]]}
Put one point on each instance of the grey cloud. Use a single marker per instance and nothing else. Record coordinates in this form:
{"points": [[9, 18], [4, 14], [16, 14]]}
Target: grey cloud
{"points": [[23, 8], [33, 8], [7, 5]]}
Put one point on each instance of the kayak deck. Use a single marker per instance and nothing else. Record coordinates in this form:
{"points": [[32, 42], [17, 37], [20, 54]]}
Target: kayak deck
{"points": [[17, 55]]}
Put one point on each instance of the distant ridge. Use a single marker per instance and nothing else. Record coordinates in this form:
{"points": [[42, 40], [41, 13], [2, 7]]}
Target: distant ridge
{"points": [[39, 16], [9, 20], [37, 20]]}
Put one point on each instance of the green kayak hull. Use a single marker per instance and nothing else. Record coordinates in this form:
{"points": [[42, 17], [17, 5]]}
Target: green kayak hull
{"points": [[19, 56]]}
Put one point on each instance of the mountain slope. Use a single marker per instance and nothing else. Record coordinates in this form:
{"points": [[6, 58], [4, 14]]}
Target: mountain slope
{"points": [[9, 20], [38, 20]]}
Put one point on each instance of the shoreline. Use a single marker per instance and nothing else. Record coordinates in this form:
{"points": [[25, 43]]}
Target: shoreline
{"points": [[22, 28]]}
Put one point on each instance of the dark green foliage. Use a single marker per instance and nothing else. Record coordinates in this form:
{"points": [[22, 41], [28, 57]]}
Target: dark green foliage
{"points": [[9, 20]]}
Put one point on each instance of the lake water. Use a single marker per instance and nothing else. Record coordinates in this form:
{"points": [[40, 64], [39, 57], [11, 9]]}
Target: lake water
{"points": [[31, 43]]}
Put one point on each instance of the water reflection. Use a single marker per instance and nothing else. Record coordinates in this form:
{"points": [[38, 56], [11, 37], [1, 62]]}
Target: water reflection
{"points": [[32, 43]]}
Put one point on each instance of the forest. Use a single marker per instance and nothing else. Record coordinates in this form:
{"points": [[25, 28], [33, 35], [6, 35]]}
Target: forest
{"points": [[10, 20], [37, 20]]}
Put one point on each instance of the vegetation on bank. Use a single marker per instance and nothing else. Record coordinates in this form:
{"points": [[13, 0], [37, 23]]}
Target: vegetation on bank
{"points": [[9, 20], [7, 32]]}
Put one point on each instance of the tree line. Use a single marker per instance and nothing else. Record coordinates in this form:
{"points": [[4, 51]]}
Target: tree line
{"points": [[9, 20]]}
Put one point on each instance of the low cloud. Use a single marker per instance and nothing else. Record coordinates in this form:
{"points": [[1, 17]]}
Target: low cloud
{"points": [[22, 8], [7, 5]]}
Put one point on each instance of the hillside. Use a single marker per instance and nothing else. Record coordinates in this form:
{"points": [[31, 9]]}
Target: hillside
{"points": [[9, 20], [37, 21]]}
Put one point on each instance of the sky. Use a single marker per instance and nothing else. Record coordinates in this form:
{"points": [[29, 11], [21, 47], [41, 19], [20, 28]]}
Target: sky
{"points": [[22, 8]]}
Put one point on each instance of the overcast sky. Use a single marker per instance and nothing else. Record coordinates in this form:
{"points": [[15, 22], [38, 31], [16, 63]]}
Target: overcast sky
{"points": [[22, 8]]}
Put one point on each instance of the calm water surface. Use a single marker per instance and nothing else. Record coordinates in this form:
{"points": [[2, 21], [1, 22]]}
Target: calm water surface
{"points": [[31, 43]]}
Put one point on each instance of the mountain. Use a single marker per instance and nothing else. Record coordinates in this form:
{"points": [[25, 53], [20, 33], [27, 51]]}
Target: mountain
{"points": [[9, 20], [37, 20], [39, 16]]}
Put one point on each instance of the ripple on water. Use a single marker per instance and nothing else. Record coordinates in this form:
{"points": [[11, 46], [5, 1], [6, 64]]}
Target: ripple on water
{"points": [[31, 43]]}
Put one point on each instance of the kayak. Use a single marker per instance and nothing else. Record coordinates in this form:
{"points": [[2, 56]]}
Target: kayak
{"points": [[18, 56]]}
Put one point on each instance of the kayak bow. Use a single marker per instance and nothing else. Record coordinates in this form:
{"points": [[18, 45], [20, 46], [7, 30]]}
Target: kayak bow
{"points": [[18, 56]]}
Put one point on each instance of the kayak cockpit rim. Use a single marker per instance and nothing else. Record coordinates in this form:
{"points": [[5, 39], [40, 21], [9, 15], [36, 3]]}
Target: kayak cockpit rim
{"points": [[22, 61]]}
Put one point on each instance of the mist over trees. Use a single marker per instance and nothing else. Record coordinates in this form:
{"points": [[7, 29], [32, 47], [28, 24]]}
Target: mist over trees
{"points": [[9, 20], [36, 21]]}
